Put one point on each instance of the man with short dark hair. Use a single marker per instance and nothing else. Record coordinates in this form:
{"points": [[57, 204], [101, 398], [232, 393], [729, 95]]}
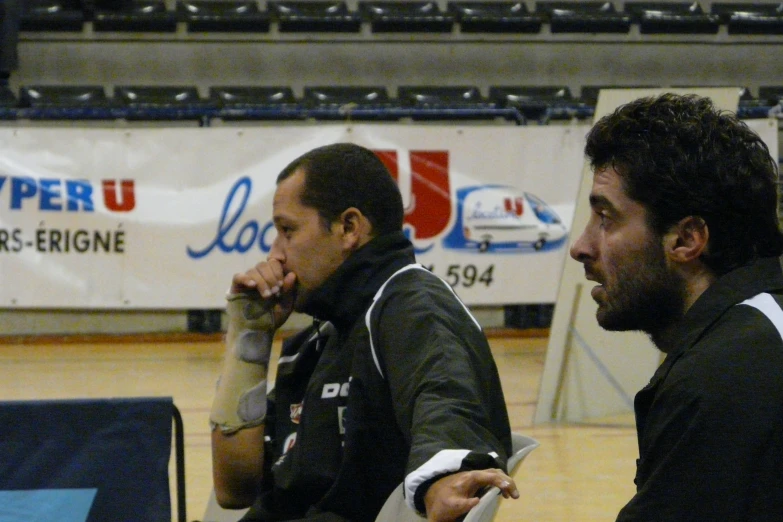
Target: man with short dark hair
{"points": [[683, 242], [393, 383]]}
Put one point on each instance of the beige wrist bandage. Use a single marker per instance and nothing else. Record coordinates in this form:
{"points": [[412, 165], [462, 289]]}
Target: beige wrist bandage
{"points": [[240, 399]]}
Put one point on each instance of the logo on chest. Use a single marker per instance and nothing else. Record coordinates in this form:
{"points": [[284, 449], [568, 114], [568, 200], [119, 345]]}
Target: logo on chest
{"points": [[335, 389]]}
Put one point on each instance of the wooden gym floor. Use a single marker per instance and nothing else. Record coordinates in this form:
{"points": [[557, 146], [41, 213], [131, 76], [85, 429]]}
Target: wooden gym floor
{"points": [[580, 473]]}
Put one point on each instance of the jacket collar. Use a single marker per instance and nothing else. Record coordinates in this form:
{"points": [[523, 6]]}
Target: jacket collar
{"points": [[734, 287], [762, 275], [347, 293]]}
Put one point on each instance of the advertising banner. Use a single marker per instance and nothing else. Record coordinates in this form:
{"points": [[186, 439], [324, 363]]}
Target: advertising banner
{"points": [[163, 217]]}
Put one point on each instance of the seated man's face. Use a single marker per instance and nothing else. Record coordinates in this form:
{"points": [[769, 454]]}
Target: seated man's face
{"points": [[303, 245]]}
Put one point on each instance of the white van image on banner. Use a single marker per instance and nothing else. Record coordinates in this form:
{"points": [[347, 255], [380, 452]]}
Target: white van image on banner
{"points": [[499, 218]]}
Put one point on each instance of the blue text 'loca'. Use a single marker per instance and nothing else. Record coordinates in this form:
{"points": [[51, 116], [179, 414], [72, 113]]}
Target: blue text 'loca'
{"points": [[228, 238]]}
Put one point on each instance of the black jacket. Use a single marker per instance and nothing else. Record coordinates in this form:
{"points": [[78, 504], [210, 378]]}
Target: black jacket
{"points": [[400, 373], [710, 423]]}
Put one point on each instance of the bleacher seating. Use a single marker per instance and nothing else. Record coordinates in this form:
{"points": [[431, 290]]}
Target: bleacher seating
{"points": [[8, 103], [751, 106], [495, 17], [91, 6], [51, 15], [352, 103], [520, 104], [406, 16], [771, 95], [672, 18], [537, 103], [231, 16], [314, 16], [65, 101], [255, 103], [39, 96], [447, 102], [7, 97], [750, 18], [136, 16], [584, 17], [163, 102]]}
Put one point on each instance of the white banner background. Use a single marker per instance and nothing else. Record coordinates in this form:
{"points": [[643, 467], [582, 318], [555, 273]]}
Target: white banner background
{"points": [[183, 177]]}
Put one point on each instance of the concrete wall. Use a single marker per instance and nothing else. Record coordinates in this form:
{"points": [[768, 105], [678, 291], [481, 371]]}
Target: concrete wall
{"points": [[634, 60]]}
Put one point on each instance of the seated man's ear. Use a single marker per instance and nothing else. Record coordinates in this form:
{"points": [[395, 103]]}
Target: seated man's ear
{"points": [[687, 240], [356, 228]]}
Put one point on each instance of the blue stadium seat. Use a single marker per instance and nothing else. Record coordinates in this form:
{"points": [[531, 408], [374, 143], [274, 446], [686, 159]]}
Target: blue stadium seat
{"points": [[429, 96], [314, 16], [771, 94], [8, 103], [583, 17], [255, 103], [672, 18], [750, 18], [7, 97], [136, 16], [49, 102], [163, 102], [406, 17], [751, 106], [223, 16], [495, 17], [91, 6], [536, 103], [748, 106], [445, 103], [38, 96], [51, 15], [349, 103]]}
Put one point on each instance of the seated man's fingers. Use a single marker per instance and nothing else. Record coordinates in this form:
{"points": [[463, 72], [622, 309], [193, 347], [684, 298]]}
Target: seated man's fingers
{"points": [[272, 272], [241, 283], [494, 477], [269, 278], [265, 277], [451, 508], [456, 494]]}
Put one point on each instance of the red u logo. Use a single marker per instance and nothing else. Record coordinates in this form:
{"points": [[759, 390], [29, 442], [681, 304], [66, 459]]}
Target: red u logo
{"points": [[429, 211], [127, 195]]}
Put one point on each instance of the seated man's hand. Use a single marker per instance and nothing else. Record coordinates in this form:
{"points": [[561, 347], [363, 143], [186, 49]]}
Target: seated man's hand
{"points": [[454, 495]]}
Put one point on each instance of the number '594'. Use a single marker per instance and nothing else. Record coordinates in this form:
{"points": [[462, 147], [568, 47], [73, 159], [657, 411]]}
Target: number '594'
{"points": [[468, 275]]}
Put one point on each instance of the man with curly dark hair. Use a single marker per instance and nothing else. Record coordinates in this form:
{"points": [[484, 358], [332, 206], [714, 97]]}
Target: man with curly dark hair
{"points": [[683, 242]]}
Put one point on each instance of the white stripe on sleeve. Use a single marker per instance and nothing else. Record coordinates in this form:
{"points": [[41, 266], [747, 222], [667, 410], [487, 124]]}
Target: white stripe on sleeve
{"points": [[444, 461], [767, 305]]}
